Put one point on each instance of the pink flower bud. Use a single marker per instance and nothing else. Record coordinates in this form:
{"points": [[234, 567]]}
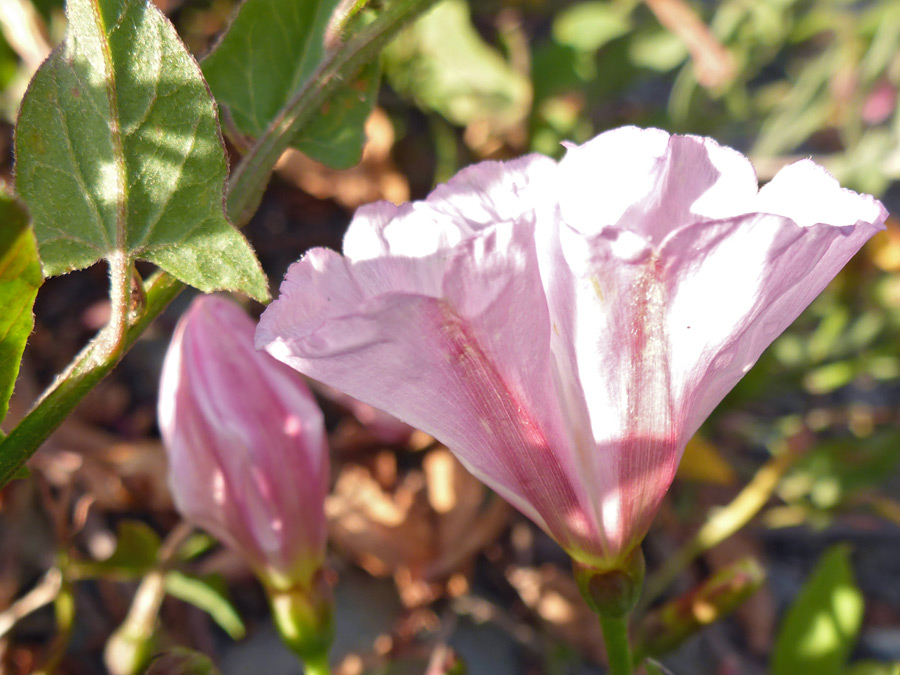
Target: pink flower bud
{"points": [[248, 460], [564, 328]]}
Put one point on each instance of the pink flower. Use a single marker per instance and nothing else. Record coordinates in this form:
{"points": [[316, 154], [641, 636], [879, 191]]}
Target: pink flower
{"points": [[246, 443], [566, 328]]}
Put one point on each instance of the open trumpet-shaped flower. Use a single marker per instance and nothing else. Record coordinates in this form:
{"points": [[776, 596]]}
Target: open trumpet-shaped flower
{"points": [[246, 444], [565, 328]]}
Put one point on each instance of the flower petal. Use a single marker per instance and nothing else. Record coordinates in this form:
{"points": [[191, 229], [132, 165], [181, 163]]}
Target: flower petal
{"points": [[651, 183], [807, 194], [734, 287], [607, 311], [463, 367], [475, 198]]}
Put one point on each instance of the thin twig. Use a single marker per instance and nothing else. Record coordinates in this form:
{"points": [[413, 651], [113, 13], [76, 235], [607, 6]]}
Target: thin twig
{"points": [[43, 593], [713, 64]]}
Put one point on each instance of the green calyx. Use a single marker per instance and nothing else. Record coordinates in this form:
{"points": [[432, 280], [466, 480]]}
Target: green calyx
{"points": [[612, 592]]}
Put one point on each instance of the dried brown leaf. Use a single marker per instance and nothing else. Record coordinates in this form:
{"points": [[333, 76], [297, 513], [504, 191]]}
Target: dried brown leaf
{"points": [[552, 594], [423, 528]]}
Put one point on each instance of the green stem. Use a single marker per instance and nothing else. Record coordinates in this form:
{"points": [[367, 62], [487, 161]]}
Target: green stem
{"points": [[304, 617], [86, 370], [340, 17], [612, 592], [317, 665], [130, 647], [249, 178], [244, 191], [618, 651]]}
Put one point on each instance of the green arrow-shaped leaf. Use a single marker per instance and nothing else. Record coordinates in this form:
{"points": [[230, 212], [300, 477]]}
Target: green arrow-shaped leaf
{"points": [[136, 554], [20, 278], [271, 49], [821, 626], [119, 153]]}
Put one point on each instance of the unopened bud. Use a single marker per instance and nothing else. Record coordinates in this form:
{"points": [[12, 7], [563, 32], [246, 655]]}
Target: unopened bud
{"points": [[667, 627]]}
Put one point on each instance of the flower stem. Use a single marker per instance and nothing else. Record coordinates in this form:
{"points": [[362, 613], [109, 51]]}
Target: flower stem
{"points": [[612, 593], [618, 651], [64, 606], [304, 617], [317, 665]]}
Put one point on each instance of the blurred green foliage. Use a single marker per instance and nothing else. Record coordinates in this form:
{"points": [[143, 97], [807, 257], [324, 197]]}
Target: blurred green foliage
{"points": [[443, 64], [874, 668], [803, 77], [182, 661], [821, 626]]}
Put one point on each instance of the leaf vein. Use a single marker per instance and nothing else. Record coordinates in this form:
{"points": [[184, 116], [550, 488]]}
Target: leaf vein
{"points": [[154, 98], [175, 184], [70, 237], [76, 167]]}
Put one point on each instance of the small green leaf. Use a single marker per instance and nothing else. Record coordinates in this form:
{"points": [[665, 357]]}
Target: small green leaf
{"points": [[209, 594], [336, 137], [273, 48], [821, 626], [119, 153], [826, 379], [20, 278], [587, 26], [443, 63], [196, 545], [659, 50], [137, 546], [181, 661]]}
